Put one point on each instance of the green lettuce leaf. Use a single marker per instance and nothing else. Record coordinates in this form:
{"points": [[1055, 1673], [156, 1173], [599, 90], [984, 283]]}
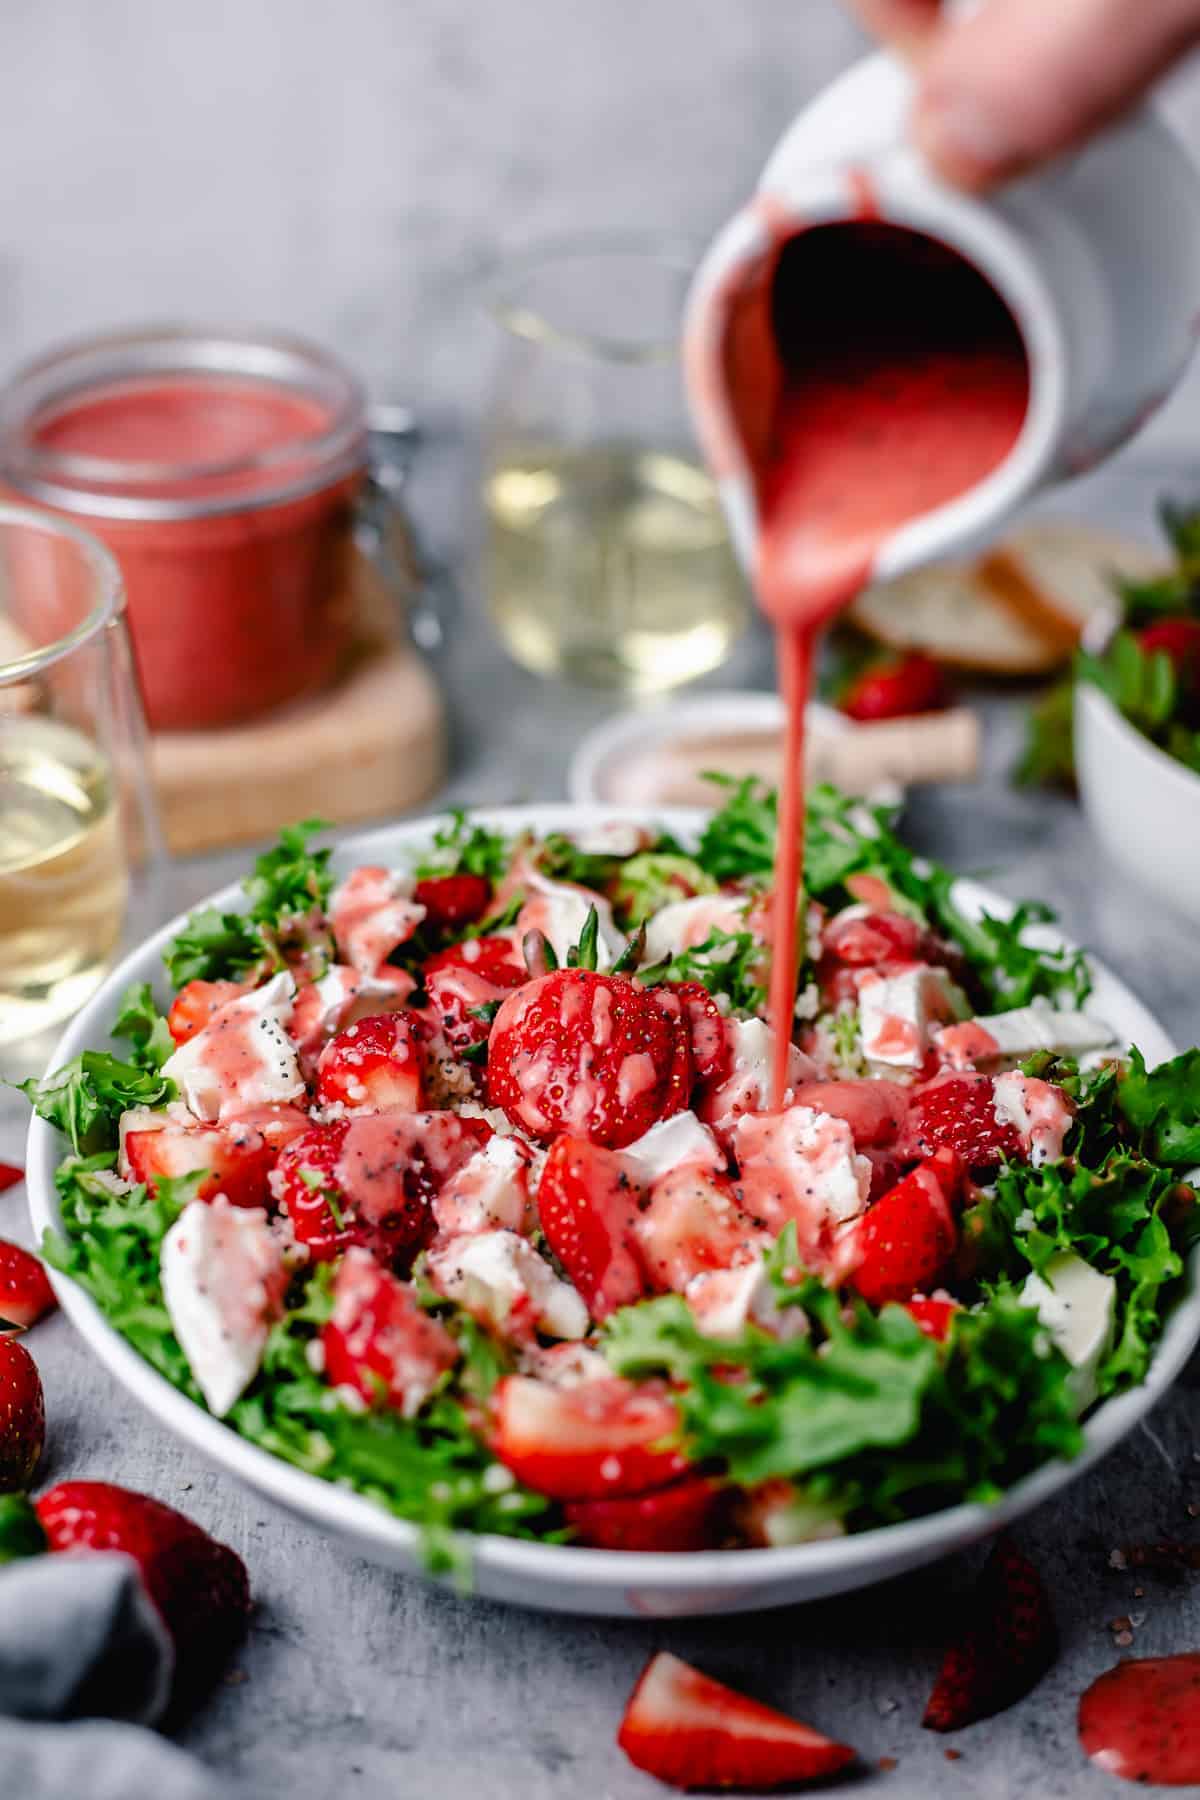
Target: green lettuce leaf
{"points": [[86, 1097]]}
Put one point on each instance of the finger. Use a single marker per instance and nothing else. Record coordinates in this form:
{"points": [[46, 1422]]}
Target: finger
{"points": [[906, 25], [1020, 80]]}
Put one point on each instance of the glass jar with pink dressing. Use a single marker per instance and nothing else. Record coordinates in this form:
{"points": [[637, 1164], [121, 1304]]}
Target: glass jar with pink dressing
{"points": [[222, 470]]}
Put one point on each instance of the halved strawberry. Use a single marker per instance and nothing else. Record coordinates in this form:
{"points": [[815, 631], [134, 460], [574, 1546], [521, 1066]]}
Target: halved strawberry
{"points": [[691, 1223], [686, 1516], [958, 1112], [600, 1056], [601, 1438], [195, 1004], [865, 940], [453, 900], [1009, 1640], [22, 1416], [466, 985], [379, 1342], [694, 1732], [238, 1156], [376, 1063], [711, 1044], [587, 1205], [934, 1317], [904, 1242], [896, 687], [875, 1111], [25, 1291]]}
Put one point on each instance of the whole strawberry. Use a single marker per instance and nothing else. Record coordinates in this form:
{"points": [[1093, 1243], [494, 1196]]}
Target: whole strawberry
{"points": [[200, 1587], [25, 1291], [22, 1415]]}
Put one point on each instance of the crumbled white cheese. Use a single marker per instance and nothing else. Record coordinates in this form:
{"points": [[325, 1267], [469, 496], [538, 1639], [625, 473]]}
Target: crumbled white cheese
{"points": [[801, 1164], [489, 1190], [725, 1301], [1077, 1305], [243, 1057], [1010, 1036], [748, 1086], [668, 1145], [686, 924], [1039, 1111], [501, 1278], [222, 1279], [896, 1011]]}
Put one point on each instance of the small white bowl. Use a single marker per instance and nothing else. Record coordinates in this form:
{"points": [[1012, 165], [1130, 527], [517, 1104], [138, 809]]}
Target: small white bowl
{"points": [[1143, 805], [562, 1578]]}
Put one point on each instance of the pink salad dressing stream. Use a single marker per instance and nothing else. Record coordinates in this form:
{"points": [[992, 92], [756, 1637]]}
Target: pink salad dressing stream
{"points": [[873, 375]]}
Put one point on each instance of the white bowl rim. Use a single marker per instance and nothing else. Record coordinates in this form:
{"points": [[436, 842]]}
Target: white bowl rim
{"points": [[717, 1571]]}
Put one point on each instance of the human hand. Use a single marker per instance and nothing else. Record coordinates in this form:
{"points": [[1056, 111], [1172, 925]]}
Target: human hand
{"points": [[1016, 81]]}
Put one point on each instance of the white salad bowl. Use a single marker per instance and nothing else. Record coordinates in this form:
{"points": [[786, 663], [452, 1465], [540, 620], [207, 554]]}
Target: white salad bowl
{"points": [[1143, 805], [561, 1578]]}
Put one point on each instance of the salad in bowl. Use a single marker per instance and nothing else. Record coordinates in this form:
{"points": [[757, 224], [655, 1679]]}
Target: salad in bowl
{"points": [[458, 1185]]}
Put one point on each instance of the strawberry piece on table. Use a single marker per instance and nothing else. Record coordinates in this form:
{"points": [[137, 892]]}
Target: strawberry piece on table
{"points": [[376, 1063], [1009, 1640], [199, 1587], [10, 1175], [451, 901], [694, 1732], [587, 1205], [896, 688], [600, 1438], [599, 1056], [25, 1291], [466, 985], [685, 1516], [22, 1416], [904, 1242], [379, 1342], [958, 1112], [195, 1005]]}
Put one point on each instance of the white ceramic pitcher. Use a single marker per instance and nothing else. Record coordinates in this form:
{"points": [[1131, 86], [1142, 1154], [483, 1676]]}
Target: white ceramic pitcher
{"points": [[1097, 258]]}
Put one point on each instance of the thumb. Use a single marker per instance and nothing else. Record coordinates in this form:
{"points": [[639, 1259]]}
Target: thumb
{"points": [[1017, 81]]}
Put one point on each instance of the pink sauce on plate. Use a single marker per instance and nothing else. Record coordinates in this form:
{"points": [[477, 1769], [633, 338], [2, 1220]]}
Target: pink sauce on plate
{"points": [[1141, 1720]]}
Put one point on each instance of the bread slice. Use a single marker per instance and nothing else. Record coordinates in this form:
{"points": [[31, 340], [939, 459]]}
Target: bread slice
{"points": [[1018, 610]]}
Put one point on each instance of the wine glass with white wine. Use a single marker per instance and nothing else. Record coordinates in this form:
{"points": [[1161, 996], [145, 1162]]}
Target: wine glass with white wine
{"points": [[80, 850]]}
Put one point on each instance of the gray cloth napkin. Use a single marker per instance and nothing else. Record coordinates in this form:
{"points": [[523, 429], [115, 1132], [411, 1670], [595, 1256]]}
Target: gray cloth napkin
{"points": [[80, 1641]]}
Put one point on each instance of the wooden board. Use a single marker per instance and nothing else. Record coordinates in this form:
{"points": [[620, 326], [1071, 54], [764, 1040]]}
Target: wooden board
{"points": [[372, 745]]}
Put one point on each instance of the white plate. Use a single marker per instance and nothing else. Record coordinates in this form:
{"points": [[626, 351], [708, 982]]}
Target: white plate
{"points": [[559, 1578], [708, 715]]}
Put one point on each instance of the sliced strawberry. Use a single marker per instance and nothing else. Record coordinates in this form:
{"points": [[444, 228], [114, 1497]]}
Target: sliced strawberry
{"points": [[934, 1317], [25, 1291], [587, 1205], [10, 1175], [904, 1242], [694, 1732], [377, 1063], [194, 1005], [199, 1587], [371, 1180], [1009, 1640], [451, 901], [874, 1110], [691, 1223], [466, 985], [708, 1031], [958, 1112], [863, 941], [238, 1157], [599, 1056], [379, 1342], [686, 1516], [22, 1416], [896, 688], [604, 1437]]}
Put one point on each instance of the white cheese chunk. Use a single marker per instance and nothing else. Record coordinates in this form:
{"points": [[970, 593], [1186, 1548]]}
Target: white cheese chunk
{"points": [[1077, 1305], [616, 837], [668, 1145], [897, 1011], [1039, 1110], [1007, 1037], [223, 1279], [488, 1191], [801, 1165], [501, 1278], [686, 924], [725, 1301], [243, 1057], [748, 1086], [372, 912], [559, 911]]}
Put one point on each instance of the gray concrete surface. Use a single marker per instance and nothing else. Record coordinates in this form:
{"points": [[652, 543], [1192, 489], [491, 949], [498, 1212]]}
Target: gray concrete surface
{"points": [[359, 1683]]}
